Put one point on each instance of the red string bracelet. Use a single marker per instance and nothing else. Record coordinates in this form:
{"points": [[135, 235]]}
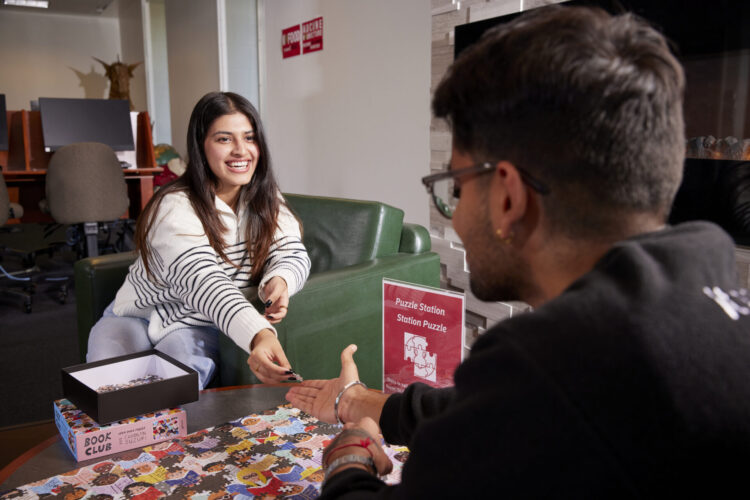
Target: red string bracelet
{"points": [[363, 443]]}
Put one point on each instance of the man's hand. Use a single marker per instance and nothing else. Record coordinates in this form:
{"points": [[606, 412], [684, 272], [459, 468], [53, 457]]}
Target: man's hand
{"points": [[383, 464], [275, 295], [317, 397], [267, 359], [350, 442]]}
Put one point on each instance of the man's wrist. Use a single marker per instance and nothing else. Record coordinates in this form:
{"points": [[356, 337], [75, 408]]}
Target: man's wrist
{"points": [[347, 409], [331, 459], [358, 402], [349, 461], [349, 441]]}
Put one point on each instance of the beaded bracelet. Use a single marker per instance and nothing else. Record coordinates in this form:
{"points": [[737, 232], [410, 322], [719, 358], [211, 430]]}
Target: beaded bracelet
{"points": [[338, 398]]}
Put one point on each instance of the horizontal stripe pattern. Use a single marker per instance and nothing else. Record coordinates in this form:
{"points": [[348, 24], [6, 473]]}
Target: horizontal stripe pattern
{"points": [[200, 288], [288, 253], [193, 286]]}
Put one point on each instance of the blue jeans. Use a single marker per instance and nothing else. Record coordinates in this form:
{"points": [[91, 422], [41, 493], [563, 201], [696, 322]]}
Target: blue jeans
{"points": [[195, 346]]}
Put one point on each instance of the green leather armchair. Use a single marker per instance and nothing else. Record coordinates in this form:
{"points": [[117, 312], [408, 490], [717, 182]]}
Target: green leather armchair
{"points": [[352, 244]]}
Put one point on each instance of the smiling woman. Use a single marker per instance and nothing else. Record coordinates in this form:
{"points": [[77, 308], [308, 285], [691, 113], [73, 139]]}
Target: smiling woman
{"points": [[232, 154], [203, 242]]}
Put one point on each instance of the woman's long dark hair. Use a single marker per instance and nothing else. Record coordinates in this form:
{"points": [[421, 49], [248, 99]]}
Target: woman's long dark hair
{"points": [[259, 199]]}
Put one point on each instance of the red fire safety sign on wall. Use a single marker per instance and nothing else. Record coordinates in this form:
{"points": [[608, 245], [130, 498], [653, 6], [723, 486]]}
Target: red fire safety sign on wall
{"points": [[312, 35], [290, 41], [423, 335]]}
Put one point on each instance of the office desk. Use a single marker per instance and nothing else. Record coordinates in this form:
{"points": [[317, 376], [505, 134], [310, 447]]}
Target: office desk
{"points": [[215, 406], [27, 188]]}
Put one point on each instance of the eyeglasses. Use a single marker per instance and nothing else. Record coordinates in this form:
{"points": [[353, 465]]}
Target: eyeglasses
{"points": [[446, 190]]}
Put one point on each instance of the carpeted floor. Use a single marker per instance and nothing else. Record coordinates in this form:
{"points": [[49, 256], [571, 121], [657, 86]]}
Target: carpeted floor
{"points": [[34, 347]]}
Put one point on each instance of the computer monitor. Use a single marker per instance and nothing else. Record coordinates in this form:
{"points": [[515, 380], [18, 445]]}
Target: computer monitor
{"points": [[3, 125], [66, 121]]}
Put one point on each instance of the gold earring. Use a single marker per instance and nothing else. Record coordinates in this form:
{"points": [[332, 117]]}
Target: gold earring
{"points": [[499, 235]]}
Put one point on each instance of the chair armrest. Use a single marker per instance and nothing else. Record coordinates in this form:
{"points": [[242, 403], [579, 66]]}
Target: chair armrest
{"points": [[414, 239], [334, 309], [97, 280]]}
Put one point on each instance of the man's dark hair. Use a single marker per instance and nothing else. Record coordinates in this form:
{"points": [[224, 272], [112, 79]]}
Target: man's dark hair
{"points": [[588, 103]]}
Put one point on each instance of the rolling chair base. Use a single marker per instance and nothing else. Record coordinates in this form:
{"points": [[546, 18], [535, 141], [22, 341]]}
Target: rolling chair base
{"points": [[25, 290], [24, 294]]}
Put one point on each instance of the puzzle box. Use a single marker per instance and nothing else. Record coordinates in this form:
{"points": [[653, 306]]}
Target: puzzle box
{"points": [[125, 386], [86, 439]]}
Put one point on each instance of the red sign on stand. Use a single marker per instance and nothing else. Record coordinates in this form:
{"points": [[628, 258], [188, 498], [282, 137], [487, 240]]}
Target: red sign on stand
{"points": [[423, 335], [312, 35], [290, 41]]}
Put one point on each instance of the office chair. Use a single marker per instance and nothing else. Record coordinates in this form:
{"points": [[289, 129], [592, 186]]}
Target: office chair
{"points": [[86, 188], [15, 284]]}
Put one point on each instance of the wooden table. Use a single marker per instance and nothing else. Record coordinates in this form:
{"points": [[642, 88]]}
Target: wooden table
{"points": [[215, 406]]}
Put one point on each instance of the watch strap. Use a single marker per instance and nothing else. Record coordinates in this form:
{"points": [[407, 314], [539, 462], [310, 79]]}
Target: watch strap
{"points": [[349, 459]]}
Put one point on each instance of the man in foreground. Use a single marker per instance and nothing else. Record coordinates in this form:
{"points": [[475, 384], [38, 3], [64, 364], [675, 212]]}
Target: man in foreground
{"points": [[631, 377]]}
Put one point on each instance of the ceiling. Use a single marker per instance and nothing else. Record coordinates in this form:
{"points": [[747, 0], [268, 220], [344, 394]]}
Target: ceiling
{"points": [[71, 7]]}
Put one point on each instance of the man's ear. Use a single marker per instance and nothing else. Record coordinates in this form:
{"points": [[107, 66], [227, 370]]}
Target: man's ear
{"points": [[507, 198]]}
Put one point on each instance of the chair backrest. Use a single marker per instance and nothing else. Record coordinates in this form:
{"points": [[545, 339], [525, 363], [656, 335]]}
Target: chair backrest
{"points": [[340, 232], [85, 183], [4, 201]]}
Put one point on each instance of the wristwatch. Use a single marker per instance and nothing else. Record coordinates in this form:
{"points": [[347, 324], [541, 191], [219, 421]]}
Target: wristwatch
{"points": [[349, 459]]}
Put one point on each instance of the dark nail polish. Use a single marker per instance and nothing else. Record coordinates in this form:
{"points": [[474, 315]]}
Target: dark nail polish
{"points": [[293, 379], [289, 372], [268, 303]]}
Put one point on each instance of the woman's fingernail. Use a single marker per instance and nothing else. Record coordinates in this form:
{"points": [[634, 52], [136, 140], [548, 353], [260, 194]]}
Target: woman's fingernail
{"points": [[268, 303], [294, 379], [289, 372]]}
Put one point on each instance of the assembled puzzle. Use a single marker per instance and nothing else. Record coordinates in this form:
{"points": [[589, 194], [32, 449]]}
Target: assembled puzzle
{"points": [[273, 454]]}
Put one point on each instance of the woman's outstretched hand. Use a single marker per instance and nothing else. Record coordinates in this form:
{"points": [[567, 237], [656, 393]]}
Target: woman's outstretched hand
{"points": [[317, 397], [267, 359], [276, 299]]}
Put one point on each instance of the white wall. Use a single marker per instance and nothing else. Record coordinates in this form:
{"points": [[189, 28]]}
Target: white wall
{"points": [[49, 55], [155, 26], [242, 48], [192, 43], [352, 120], [131, 42]]}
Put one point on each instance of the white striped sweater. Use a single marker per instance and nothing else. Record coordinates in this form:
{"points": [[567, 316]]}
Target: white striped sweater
{"points": [[193, 286]]}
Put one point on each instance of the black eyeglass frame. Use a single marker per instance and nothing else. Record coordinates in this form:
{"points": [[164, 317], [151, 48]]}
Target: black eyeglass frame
{"points": [[480, 168]]}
